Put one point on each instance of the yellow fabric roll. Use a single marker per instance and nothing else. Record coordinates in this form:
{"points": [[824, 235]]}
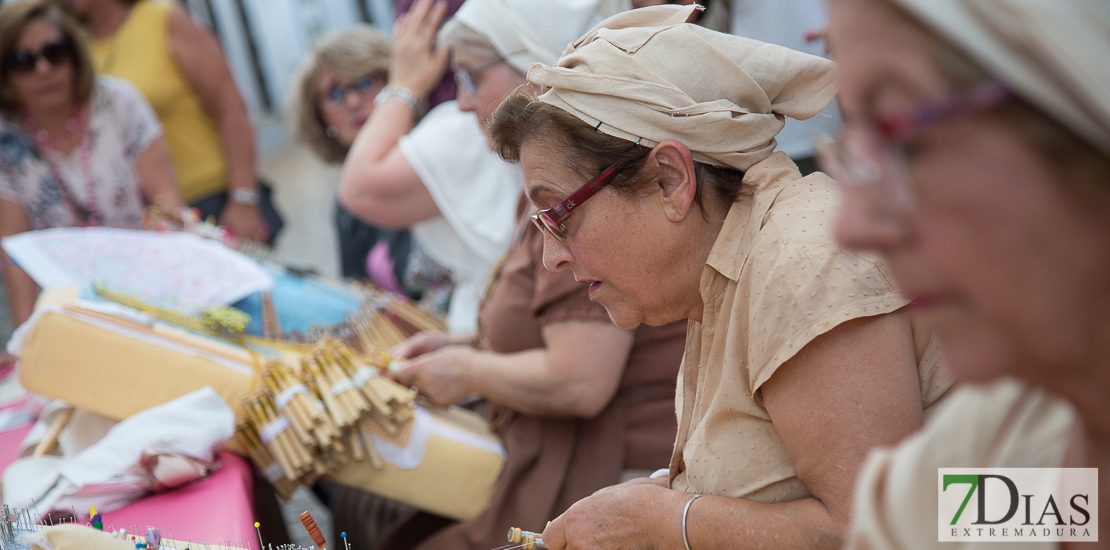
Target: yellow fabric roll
{"points": [[454, 480], [140, 52], [115, 374]]}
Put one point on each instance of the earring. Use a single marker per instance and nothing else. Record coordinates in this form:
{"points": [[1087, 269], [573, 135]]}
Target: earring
{"points": [[332, 131]]}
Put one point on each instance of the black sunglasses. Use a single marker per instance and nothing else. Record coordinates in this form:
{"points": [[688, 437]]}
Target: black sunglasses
{"points": [[25, 61]]}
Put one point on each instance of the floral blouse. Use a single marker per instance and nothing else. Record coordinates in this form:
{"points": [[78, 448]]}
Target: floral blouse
{"points": [[121, 127]]}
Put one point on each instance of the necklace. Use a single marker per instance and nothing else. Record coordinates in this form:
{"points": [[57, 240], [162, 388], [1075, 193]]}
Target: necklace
{"points": [[89, 214], [43, 137]]}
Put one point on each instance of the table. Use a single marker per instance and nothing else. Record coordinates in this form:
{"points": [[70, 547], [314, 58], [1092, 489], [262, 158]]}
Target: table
{"points": [[218, 507]]}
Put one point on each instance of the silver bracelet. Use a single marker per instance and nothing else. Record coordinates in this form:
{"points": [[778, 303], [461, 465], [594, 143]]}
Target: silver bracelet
{"points": [[684, 512], [244, 196], [396, 93]]}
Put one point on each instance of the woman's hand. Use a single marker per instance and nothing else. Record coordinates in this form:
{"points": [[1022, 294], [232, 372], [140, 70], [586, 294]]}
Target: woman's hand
{"points": [[245, 221], [427, 342], [416, 62], [629, 515], [442, 375]]}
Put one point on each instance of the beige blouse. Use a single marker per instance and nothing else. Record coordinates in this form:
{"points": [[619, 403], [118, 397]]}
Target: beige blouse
{"points": [[774, 281], [1004, 425]]}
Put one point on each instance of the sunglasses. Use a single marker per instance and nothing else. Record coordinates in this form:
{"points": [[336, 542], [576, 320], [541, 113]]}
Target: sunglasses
{"points": [[551, 219], [464, 78], [337, 95], [25, 61]]}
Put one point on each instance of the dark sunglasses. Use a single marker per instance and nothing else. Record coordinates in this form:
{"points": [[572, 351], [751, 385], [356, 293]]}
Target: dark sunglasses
{"points": [[551, 219], [25, 61]]}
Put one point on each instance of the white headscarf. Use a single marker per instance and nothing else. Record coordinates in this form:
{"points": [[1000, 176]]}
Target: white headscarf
{"points": [[646, 75], [535, 31], [1054, 53]]}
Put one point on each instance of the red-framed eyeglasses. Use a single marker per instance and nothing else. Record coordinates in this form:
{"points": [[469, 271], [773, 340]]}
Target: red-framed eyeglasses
{"points": [[551, 219]]}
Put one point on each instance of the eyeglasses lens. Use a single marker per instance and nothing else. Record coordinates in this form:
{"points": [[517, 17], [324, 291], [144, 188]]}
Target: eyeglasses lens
{"points": [[465, 81], [363, 87], [25, 61], [862, 159], [544, 222]]}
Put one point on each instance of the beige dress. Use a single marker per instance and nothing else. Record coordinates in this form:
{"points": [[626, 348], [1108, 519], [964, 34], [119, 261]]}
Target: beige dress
{"points": [[773, 282], [1005, 425]]}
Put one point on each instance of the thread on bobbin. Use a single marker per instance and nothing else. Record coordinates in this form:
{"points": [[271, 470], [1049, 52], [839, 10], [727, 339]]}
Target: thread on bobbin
{"points": [[313, 530]]}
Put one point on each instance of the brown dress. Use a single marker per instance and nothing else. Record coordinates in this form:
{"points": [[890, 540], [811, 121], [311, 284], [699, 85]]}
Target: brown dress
{"points": [[553, 463]]}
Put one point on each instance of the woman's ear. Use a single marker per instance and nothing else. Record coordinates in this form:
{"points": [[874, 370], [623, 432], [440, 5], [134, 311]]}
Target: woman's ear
{"points": [[676, 178]]}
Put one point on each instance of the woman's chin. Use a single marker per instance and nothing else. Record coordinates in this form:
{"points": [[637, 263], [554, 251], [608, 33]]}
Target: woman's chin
{"points": [[977, 354], [623, 316]]}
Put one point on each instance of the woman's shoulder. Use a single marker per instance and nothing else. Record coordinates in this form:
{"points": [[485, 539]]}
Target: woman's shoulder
{"points": [[798, 284], [803, 213], [795, 251], [1001, 424], [1004, 424], [113, 96], [16, 145], [112, 86]]}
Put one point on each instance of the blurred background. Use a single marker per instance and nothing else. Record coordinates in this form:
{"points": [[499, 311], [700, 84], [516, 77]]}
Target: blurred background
{"points": [[263, 41]]}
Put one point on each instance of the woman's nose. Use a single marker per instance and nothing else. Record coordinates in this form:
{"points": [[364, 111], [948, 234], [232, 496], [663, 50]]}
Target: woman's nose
{"points": [[465, 100], [556, 255], [42, 65], [865, 223], [353, 99]]}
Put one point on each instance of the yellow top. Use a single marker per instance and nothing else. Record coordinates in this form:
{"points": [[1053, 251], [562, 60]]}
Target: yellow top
{"points": [[140, 52]]}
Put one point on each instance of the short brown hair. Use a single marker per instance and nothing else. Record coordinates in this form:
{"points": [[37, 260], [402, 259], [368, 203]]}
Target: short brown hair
{"points": [[351, 53], [522, 117], [15, 17]]}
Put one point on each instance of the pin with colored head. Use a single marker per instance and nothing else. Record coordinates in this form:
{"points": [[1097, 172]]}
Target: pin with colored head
{"points": [[95, 520]]}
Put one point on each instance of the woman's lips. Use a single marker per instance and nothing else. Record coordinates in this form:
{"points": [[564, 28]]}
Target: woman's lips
{"points": [[594, 285]]}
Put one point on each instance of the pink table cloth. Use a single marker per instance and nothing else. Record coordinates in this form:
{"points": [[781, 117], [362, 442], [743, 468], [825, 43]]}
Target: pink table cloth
{"points": [[217, 508]]}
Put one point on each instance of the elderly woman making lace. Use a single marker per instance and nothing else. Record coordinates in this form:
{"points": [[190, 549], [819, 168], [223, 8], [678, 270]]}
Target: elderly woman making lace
{"points": [[800, 357]]}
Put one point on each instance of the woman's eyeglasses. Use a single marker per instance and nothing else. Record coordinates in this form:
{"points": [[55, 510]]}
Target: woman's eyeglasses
{"points": [[337, 95], [25, 61], [873, 156], [551, 219], [464, 78]]}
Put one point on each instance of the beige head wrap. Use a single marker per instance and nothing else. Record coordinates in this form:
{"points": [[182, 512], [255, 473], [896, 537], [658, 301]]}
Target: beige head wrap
{"points": [[1055, 53], [647, 75], [534, 31]]}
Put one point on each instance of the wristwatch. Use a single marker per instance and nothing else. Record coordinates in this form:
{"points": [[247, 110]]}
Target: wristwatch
{"points": [[246, 197]]}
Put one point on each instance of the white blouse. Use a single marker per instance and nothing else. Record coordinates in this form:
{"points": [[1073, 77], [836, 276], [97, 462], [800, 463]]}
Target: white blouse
{"points": [[121, 127]]}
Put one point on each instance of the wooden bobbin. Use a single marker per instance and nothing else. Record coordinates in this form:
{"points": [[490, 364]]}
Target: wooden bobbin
{"points": [[313, 530], [526, 539]]}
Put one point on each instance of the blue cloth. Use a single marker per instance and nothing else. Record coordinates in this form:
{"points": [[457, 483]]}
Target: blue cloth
{"points": [[301, 302]]}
